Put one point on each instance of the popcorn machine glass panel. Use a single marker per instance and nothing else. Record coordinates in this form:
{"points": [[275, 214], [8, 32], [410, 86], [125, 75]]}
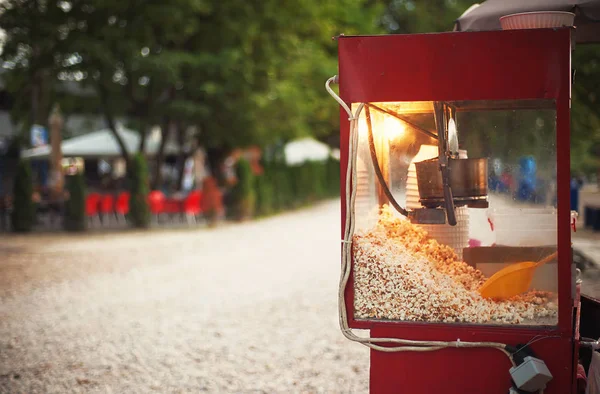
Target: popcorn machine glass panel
{"points": [[417, 258]]}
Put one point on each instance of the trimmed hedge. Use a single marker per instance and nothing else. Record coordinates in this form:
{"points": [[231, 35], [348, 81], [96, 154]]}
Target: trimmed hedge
{"points": [[75, 219], [265, 196], [23, 214], [139, 211], [283, 187]]}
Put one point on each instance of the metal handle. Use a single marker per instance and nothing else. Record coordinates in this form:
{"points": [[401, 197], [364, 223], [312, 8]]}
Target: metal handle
{"points": [[438, 112], [449, 201]]}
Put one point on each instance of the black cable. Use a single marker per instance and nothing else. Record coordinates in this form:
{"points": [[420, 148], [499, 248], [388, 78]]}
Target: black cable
{"points": [[377, 169]]}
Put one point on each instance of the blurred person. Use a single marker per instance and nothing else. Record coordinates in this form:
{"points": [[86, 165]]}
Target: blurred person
{"points": [[495, 178], [527, 179], [228, 169]]}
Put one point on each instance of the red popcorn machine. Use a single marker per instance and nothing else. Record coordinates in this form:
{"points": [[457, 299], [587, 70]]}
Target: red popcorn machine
{"points": [[456, 222]]}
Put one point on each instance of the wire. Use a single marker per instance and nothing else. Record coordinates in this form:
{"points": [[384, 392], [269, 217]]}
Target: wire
{"points": [[335, 79], [535, 339], [377, 168]]}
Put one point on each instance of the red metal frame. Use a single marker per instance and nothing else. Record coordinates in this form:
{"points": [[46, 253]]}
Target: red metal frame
{"points": [[499, 65]]}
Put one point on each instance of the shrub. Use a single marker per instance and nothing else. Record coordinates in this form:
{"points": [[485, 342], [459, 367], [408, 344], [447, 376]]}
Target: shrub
{"points": [[265, 198], [318, 175], [282, 187], [75, 206], [296, 192], [139, 211], [23, 214], [333, 177], [303, 182], [243, 195]]}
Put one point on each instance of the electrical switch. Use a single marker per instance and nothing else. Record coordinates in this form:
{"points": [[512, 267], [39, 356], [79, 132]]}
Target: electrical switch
{"points": [[531, 375]]}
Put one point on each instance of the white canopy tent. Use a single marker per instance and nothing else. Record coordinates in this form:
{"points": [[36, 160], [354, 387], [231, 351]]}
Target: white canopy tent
{"points": [[102, 144], [306, 149]]}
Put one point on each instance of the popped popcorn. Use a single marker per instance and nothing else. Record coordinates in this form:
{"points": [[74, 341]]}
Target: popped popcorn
{"points": [[402, 274]]}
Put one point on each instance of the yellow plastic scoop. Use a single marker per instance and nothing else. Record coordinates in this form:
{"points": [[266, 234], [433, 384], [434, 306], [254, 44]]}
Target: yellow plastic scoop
{"points": [[512, 280]]}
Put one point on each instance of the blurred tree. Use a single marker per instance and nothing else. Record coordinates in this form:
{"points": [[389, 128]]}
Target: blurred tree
{"points": [[31, 46], [75, 219], [585, 113], [261, 69], [133, 53], [243, 73], [422, 16], [240, 73], [126, 52], [23, 213]]}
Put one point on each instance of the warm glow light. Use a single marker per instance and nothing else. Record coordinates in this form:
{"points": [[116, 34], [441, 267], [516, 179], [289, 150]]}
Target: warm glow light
{"points": [[393, 128], [362, 127]]}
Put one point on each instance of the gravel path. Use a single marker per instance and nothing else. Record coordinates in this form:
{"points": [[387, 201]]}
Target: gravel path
{"points": [[247, 308], [250, 308]]}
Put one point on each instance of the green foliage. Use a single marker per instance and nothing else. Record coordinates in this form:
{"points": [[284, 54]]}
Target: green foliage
{"points": [[23, 214], [303, 183], [318, 172], [243, 193], [309, 182], [332, 170], [265, 195], [139, 210], [423, 16], [242, 73], [75, 219], [585, 117], [283, 187]]}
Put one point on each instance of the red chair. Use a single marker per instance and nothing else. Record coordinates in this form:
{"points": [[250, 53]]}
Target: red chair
{"points": [[156, 201], [92, 205], [122, 205], [192, 206], [107, 208], [173, 207]]}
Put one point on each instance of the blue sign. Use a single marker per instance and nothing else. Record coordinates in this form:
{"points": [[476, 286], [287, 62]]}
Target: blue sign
{"points": [[39, 136]]}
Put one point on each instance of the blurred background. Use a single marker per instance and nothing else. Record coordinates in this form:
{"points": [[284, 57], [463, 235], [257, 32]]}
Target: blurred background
{"points": [[189, 88], [187, 117]]}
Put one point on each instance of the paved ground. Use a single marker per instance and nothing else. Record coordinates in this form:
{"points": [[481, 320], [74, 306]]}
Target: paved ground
{"points": [[247, 309], [588, 243]]}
